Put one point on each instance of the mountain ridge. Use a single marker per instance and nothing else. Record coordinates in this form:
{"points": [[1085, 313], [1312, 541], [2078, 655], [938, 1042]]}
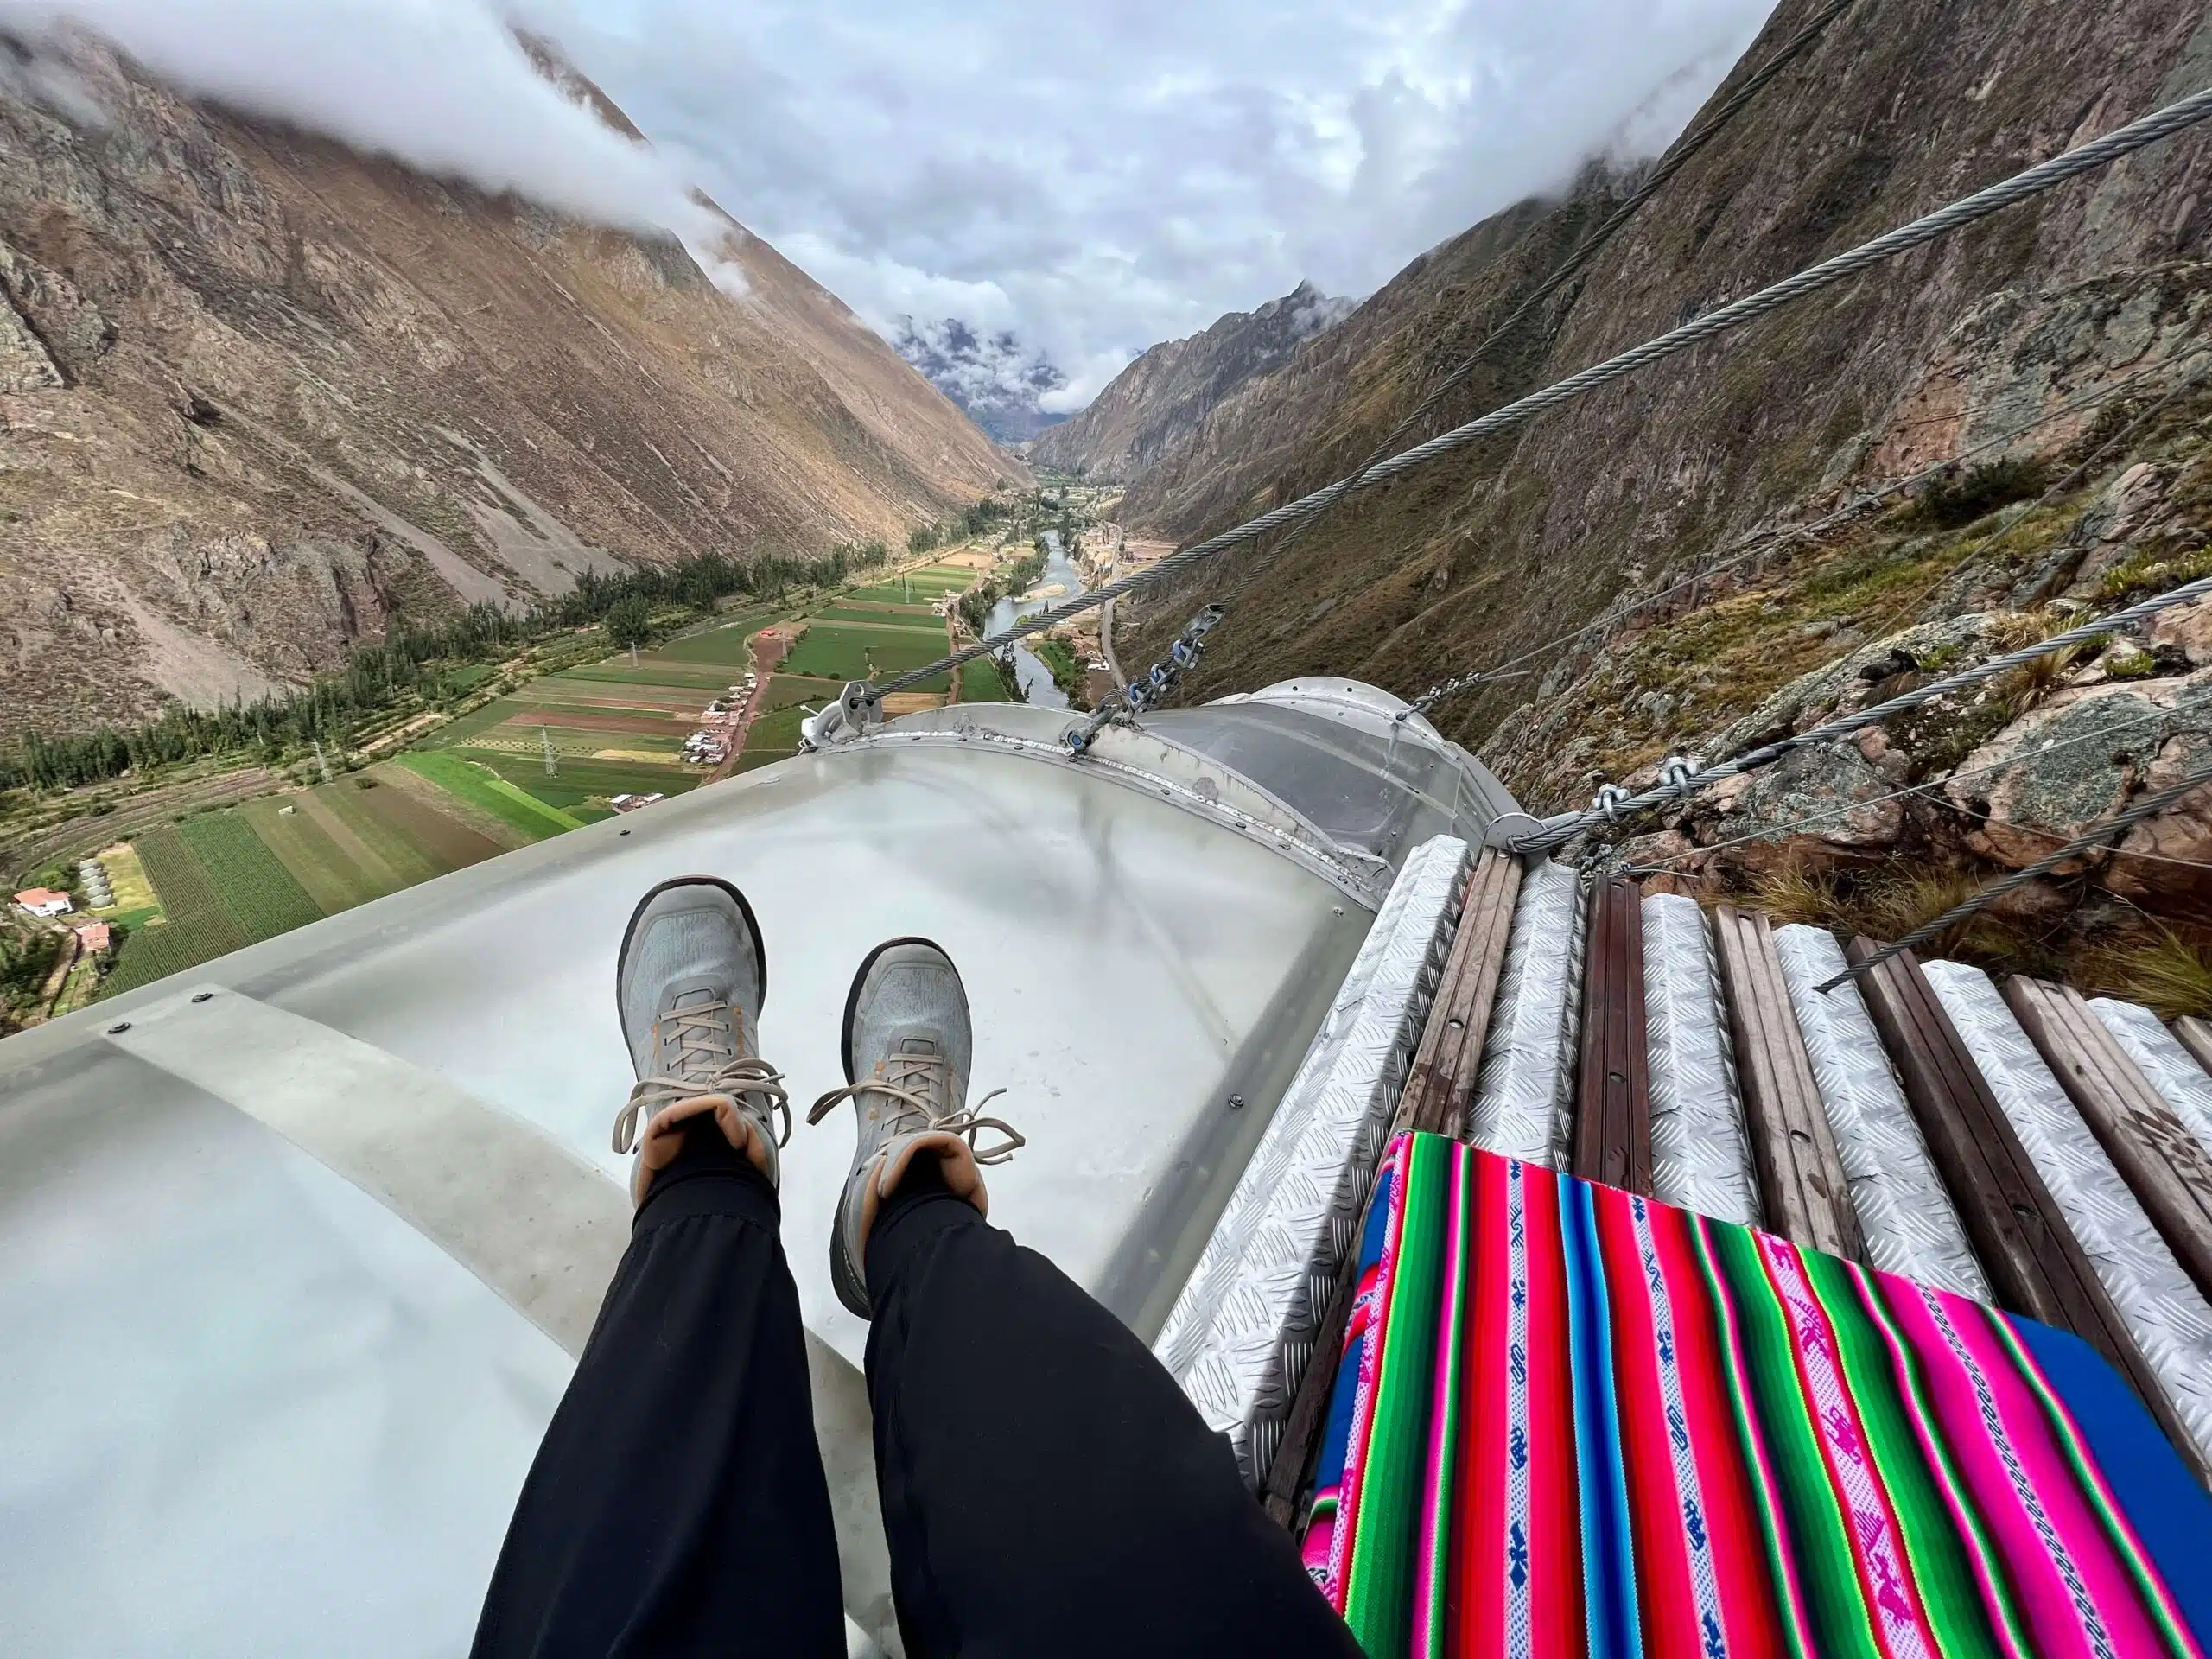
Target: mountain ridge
{"points": [[1542, 529], [260, 397], [1155, 408]]}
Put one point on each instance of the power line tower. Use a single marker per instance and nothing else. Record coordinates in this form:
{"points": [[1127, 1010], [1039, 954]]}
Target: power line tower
{"points": [[552, 766]]}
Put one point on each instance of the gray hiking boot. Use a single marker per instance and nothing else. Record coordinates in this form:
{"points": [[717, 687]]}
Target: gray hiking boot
{"points": [[689, 984], [907, 1035]]}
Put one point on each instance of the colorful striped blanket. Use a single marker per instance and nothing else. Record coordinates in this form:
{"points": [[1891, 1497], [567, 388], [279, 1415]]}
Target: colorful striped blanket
{"points": [[1569, 1420]]}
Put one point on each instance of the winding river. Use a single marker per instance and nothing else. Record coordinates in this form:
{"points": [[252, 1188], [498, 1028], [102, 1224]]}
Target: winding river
{"points": [[1060, 582]]}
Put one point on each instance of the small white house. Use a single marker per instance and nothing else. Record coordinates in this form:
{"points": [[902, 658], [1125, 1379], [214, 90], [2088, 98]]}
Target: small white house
{"points": [[43, 901]]}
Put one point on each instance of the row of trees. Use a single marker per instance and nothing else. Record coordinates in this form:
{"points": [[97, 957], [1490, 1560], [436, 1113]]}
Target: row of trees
{"points": [[412, 662]]}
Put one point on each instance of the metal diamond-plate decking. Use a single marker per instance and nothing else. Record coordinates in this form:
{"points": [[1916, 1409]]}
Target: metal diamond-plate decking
{"points": [[2168, 1318], [1699, 1157], [1524, 1094], [1905, 1213], [1241, 1332], [2163, 1062]]}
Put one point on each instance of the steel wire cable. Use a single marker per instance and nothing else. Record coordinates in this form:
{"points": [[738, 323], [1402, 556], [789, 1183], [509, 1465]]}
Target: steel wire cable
{"points": [[1678, 156], [1680, 788], [1758, 544], [2103, 734], [2045, 175], [2093, 840]]}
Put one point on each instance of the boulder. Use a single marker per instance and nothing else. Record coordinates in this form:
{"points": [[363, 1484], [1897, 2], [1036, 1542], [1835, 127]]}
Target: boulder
{"points": [[2186, 629], [1847, 683], [2165, 863], [1835, 784], [2127, 510], [2053, 778]]}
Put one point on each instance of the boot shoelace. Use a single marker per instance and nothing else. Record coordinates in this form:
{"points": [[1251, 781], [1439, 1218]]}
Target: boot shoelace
{"points": [[920, 1084], [706, 1052]]}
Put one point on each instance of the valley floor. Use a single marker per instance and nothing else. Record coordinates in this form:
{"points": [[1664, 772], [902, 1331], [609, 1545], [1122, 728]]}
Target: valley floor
{"points": [[224, 856]]}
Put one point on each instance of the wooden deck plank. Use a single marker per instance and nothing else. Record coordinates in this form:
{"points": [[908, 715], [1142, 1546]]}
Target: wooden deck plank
{"points": [[1440, 1085], [2195, 1036], [2035, 1264], [1611, 1141], [2168, 1171], [1802, 1189]]}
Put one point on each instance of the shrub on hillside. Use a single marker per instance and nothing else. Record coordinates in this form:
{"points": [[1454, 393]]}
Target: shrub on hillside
{"points": [[1957, 498]]}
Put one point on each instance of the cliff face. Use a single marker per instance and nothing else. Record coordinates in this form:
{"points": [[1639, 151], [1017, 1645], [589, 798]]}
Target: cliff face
{"points": [[1155, 409], [1903, 106], [259, 396]]}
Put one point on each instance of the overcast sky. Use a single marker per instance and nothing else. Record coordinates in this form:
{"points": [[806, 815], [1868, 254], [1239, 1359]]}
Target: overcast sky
{"points": [[1094, 174]]}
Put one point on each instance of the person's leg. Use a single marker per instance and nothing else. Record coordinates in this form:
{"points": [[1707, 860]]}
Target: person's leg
{"points": [[1046, 1487], [678, 1505]]}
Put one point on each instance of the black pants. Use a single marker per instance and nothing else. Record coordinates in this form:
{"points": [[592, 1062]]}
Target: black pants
{"points": [[1047, 1490]]}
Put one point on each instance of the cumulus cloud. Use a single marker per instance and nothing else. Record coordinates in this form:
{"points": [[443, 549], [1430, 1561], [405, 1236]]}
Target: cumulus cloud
{"points": [[1096, 175], [440, 85], [1090, 177]]}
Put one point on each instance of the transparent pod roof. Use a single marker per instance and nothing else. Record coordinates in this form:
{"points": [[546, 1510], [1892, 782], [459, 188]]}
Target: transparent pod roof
{"points": [[295, 1250]]}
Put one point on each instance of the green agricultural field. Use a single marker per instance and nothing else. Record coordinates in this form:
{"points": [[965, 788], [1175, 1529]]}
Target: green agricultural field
{"points": [[774, 737], [832, 650], [899, 616], [788, 690], [920, 591], [687, 677], [980, 682], [334, 880], [580, 780], [922, 627], [446, 841], [491, 793], [455, 733], [349, 803], [255, 886], [201, 926], [724, 646]]}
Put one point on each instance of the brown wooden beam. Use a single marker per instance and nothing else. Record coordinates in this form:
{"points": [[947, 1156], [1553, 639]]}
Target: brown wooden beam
{"points": [[2036, 1265], [1611, 1142], [1440, 1083], [2195, 1036], [2170, 1171], [1803, 1188]]}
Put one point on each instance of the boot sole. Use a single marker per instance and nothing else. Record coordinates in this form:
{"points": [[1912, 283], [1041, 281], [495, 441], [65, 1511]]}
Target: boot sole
{"points": [[744, 908], [845, 1275]]}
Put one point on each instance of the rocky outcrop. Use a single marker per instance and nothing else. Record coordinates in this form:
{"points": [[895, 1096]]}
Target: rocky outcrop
{"points": [[1995, 777], [1156, 408], [259, 396]]}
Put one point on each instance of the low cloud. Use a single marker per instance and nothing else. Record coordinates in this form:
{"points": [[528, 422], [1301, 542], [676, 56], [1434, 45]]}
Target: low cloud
{"points": [[443, 85], [1097, 175], [1090, 177]]}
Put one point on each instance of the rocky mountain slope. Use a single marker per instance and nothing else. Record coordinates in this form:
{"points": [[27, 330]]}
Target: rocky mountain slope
{"points": [[1504, 544], [1155, 409], [260, 396], [1985, 343]]}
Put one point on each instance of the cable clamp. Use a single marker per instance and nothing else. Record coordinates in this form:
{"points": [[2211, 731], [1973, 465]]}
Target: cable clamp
{"points": [[1609, 801], [845, 721]]}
